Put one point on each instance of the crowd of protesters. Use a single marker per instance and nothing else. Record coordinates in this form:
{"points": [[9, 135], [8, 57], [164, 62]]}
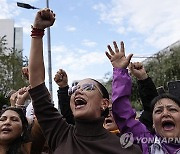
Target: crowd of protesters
{"points": [[90, 120], [165, 109]]}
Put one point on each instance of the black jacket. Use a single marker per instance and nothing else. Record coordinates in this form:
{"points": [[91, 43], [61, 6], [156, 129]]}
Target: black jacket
{"points": [[147, 92]]}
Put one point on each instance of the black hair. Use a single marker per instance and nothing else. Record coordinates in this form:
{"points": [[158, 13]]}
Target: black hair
{"points": [[105, 93], [100, 85], [15, 146], [164, 95], [103, 89]]}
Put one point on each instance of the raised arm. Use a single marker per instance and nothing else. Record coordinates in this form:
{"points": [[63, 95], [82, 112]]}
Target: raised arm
{"points": [[146, 88], [52, 124], [147, 91], [61, 80], [44, 18], [123, 113]]}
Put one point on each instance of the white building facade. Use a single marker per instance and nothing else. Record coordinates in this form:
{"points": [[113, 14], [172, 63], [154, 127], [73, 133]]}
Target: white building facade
{"points": [[14, 35]]}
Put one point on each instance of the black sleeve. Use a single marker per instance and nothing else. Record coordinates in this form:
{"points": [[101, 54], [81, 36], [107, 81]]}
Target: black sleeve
{"points": [[64, 104], [147, 92], [53, 125]]}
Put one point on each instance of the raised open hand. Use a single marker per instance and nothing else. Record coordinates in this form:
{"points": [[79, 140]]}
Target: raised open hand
{"points": [[61, 78], [117, 57]]}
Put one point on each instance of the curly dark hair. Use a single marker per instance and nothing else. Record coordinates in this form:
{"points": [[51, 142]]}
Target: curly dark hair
{"points": [[15, 146]]}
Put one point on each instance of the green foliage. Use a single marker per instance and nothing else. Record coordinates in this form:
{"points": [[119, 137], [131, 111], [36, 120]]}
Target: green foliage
{"points": [[137, 105], [10, 71], [3, 101], [164, 67], [108, 83]]}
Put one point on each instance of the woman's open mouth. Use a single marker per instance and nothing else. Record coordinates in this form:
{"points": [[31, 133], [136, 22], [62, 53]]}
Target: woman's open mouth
{"points": [[108, 121], [168, 125], [79, 103]]}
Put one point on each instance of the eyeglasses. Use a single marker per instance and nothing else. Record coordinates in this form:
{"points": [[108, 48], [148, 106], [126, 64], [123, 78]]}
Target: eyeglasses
{"points": [[84, 87]]}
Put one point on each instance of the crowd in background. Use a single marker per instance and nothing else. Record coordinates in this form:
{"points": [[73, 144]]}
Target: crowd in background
{"points": [[90, 120]]}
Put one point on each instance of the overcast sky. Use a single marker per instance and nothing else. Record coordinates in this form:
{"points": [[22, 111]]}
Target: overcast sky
{"points": [[84, 28]]}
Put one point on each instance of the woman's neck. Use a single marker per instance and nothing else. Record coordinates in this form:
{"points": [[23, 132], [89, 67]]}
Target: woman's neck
{"points": [[93, 127], [3, 149]]}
